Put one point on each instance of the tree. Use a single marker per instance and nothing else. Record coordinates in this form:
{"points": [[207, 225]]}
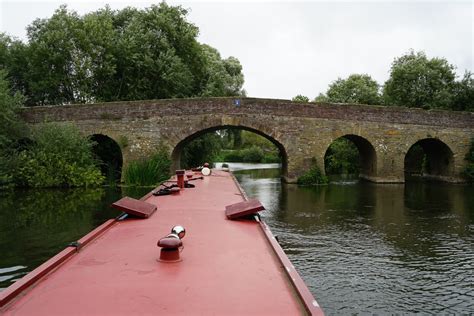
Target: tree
{"points": [[223, 76], [417, 81], [342, 157], [300, 98], [12, 129], [59, 157], [357, 88], [463, 93], [111, 55], [321, 98]]}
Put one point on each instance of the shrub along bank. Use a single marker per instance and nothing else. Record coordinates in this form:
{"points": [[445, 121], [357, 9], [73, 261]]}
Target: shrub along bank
{"points": [[59, 156], [253, 154], [150, 171], [313, 176]]}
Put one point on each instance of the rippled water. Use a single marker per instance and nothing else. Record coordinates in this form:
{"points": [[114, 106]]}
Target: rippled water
{"points": [[375, 249]]}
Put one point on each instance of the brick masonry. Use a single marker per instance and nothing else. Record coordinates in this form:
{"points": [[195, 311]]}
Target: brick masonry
{"points": [[302, 131]]}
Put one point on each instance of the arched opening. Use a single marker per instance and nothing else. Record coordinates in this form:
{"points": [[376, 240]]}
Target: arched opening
{"points": [[429, 159], [108, 152], [253, 145], [351, 155]]}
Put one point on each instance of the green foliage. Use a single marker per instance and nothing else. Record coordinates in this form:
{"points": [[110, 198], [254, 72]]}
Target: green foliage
{"points": [[12, 130], [271, 158], [109, 55], [200, 150], [250, 139], [231, 156], [463, 93], [417, 81], [59, 157], [223, 77], [313, 176], [252, 154], [150, 171], [321, 98], [342, 157], [469, 171], [357, 88], [300, 98]]}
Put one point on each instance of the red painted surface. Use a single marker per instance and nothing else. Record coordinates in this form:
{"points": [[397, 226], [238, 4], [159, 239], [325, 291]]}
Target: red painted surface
{"points": [[243, 209], [135, 207], [227, 267]]}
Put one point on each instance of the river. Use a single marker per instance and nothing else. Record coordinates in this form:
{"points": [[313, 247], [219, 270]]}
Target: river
{"points": [[360, 247]]}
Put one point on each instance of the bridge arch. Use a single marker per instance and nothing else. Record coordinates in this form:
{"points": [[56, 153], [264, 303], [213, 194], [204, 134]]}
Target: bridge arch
{"points": [[429, 158], [110, 156], [367, 155], [178, 148]]}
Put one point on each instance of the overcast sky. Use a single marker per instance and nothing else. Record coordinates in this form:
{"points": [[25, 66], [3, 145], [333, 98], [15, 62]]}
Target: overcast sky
{"points": [[289, 48]]}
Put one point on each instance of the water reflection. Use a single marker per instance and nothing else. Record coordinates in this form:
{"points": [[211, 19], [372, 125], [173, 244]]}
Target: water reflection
{"points": [[367, 248], [36, 224]]}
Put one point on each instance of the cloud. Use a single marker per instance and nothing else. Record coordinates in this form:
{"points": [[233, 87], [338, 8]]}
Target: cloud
{"points": [[290, 48]]}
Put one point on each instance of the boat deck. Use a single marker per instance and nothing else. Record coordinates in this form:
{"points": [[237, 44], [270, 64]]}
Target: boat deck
{"points": [[228, 266]]}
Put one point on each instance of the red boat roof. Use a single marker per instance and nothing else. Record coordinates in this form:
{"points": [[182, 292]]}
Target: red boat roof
{"points": [[227, 266]]}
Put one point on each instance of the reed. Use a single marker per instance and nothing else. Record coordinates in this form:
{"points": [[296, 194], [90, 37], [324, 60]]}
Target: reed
{"points": [[148, 172]]}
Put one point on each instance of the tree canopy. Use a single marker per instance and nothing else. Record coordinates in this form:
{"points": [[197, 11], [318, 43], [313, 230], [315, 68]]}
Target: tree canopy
{"points": [[110, 55], [300, 98], [357, 88], [417, 81]]}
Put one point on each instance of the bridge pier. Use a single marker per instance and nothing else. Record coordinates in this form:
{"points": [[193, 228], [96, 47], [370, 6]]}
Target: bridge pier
{"points": [[302, 131]]}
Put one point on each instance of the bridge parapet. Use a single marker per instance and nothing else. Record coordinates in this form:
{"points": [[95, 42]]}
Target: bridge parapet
{"points": [[302, 131]]}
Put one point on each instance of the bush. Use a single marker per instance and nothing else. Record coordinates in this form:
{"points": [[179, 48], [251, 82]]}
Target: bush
{"points": [[12, 130], [148, 172], [342, 157], [59, 156], [252, 154], [233, 156], [313, 176], [271, 158]]}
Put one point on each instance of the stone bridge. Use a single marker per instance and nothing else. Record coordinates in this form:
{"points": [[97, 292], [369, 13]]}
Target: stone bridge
{"points": [[301, 131]]}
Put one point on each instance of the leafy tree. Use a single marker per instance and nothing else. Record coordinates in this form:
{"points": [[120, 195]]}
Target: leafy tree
{"points": [[223, 76], [342, 157], [300, 98], [12, 129], [110, 55], [14, 61], [55, 64], [321, 98], [59, 157], [357, 88], [463, 93], [417, 81]]}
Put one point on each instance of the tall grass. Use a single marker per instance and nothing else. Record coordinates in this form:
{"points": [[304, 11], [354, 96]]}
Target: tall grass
{"points": [[148, 172]]}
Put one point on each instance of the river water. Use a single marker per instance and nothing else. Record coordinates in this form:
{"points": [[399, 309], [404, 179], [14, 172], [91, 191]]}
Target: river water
{"points": [[360, 247]]}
